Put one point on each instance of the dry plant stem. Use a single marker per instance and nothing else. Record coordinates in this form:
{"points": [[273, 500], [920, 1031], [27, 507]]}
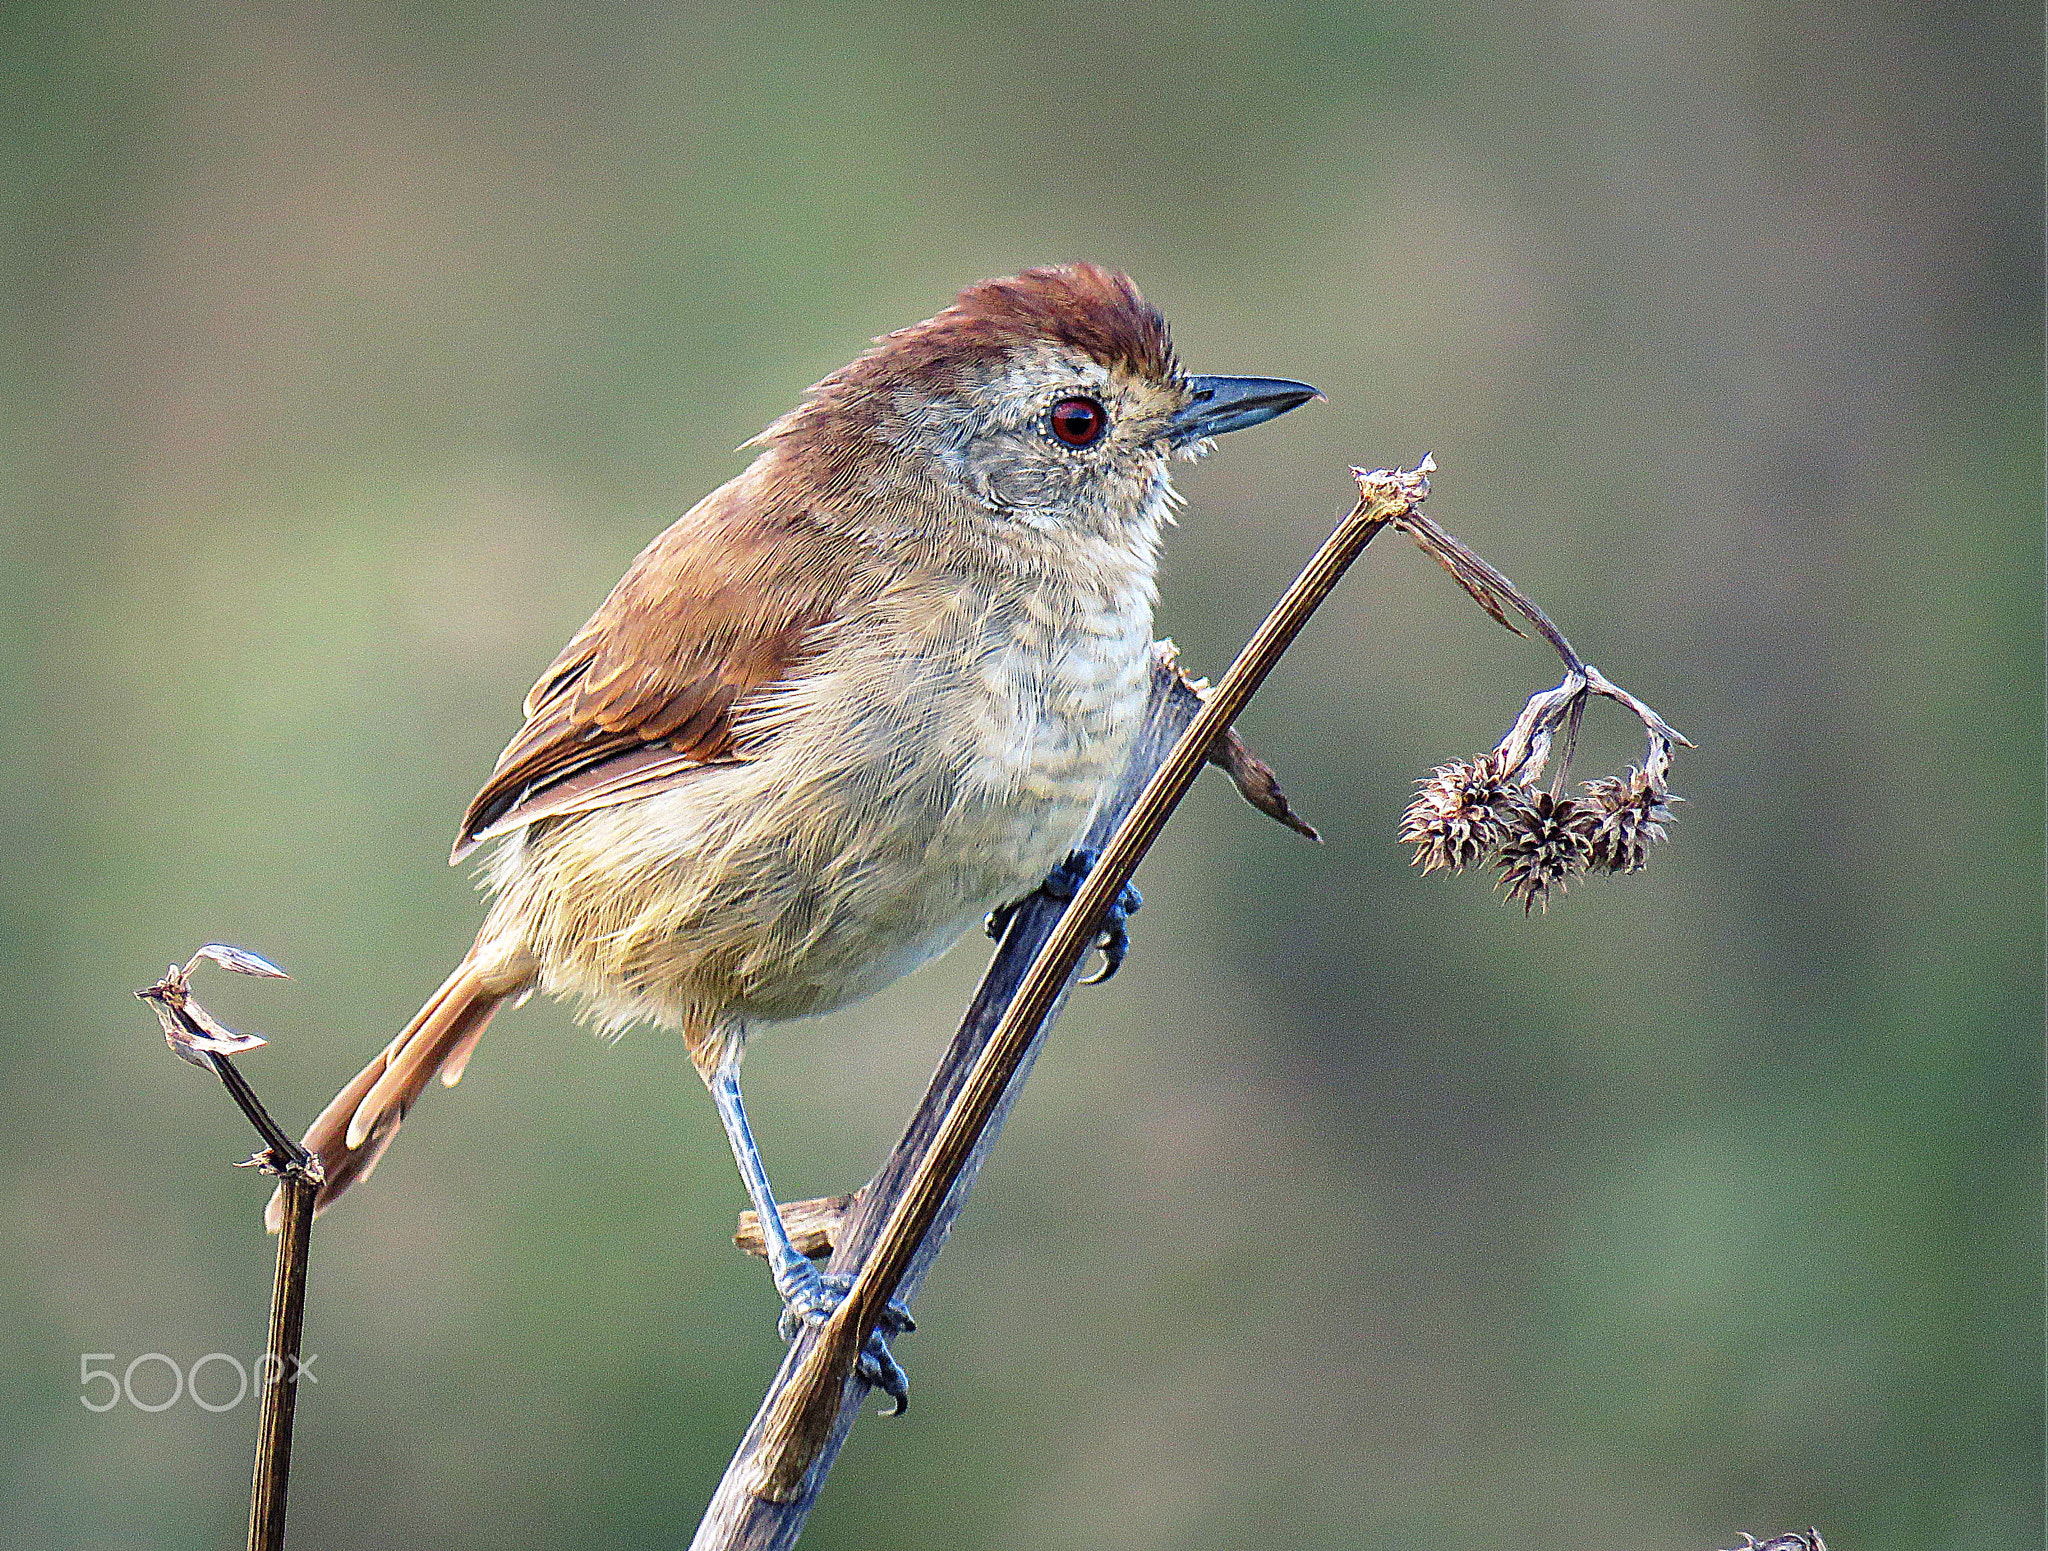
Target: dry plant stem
{"points": [[199, 1038], [281, 1362], [798, 1422], [736, 1517], [286, 1154]]}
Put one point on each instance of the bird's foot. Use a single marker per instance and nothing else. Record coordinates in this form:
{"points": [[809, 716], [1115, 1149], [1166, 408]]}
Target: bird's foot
{"points": [[1062, 883], [812, 1300]]}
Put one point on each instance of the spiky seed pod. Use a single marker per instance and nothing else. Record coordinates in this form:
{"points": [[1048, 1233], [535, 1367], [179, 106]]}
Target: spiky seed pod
{"points": [[1545, 844], [1621, 817], [1459, 813]]}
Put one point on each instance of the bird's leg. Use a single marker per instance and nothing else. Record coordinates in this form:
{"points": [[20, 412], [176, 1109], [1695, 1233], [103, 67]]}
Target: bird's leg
{"points": [[1062, 883], [806, 1294]]}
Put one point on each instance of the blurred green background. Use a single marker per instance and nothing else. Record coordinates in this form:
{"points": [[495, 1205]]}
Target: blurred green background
{"points": [[352, 350]]}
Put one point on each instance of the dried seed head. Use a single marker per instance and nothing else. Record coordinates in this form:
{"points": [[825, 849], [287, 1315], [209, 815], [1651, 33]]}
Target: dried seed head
{"points": [[1459, 814], [1544, 846], [1621, 817]]}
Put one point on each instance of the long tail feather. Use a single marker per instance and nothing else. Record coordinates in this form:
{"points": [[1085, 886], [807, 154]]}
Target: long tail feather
{"points": [[351, 1133]]}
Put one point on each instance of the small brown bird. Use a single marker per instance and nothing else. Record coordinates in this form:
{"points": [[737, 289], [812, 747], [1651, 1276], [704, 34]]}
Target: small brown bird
{"points": [[851, 701]]}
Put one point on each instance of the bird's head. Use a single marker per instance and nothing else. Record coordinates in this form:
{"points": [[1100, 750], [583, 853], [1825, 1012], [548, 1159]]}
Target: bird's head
{"points": [[1051, 401]]}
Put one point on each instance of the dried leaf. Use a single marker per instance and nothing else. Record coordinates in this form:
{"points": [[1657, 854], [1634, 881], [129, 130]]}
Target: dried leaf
{"points": [[1452, 561], [190, 1030], [240, 960], [1252, 776], [813, 1226], [1256, 783]]}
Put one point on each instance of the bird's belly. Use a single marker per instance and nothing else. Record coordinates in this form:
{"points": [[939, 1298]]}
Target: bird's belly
{"points": [[812, 878], [914, 884], [918, 863]]}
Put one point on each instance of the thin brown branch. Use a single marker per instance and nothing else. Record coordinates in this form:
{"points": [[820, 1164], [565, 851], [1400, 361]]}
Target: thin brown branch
{"points": [[736, 1518], [847, 1228], [280, 1389]]}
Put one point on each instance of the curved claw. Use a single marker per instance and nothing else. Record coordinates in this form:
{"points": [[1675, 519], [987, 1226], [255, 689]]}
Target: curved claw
{"points": [[1115, 942], [1114, 945], [877, 1366]]}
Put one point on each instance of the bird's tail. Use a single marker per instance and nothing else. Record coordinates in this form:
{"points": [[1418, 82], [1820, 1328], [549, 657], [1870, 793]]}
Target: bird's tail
{"points": [[351, 1133]]}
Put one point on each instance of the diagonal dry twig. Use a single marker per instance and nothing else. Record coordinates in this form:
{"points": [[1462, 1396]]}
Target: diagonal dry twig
{"points": [[737, 1518], [794, 1429]]}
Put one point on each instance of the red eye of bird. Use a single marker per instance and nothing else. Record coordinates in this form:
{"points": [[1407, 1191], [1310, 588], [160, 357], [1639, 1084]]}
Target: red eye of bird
{"points": [[1079, 422]]}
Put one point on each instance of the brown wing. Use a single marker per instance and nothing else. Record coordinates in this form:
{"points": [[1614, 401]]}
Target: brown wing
{"points": [[724, 604]]}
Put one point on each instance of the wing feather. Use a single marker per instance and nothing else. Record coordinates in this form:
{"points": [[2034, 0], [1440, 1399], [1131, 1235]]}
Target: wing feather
{"points": [[727, 603]]}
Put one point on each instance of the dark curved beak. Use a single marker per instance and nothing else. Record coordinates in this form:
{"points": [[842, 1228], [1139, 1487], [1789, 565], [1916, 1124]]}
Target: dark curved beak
{"points": [[1231, 403]]}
